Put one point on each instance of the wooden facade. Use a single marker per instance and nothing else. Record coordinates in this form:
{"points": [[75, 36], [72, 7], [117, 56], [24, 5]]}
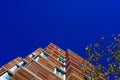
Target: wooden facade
{"points": [[51, 63]]}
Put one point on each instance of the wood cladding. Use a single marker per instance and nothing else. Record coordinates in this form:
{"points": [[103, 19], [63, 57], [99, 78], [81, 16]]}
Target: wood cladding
{"points": [[49, 67], [21, 74], [12, 63], [41, 72]]}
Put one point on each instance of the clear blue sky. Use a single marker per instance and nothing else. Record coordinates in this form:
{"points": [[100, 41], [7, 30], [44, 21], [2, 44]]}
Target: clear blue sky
{"points": [[26, 25]]}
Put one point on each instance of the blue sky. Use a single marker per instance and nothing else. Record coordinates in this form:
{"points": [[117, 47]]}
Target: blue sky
{"points": [[26, 25]]}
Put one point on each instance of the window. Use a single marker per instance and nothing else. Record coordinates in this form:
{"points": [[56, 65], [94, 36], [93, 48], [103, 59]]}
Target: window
{"points": [[23, 63], [5, 76], [13, 69], [62, 59], [44, 55], [37, 58], [59, 73], [59, 49], [31, 55], [62, 67]]}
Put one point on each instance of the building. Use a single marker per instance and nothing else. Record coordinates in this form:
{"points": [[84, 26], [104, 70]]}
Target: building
{"points": [[51, 63]]}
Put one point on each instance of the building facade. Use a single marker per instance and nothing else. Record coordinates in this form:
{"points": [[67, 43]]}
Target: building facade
{"points": [[51, 63]]}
